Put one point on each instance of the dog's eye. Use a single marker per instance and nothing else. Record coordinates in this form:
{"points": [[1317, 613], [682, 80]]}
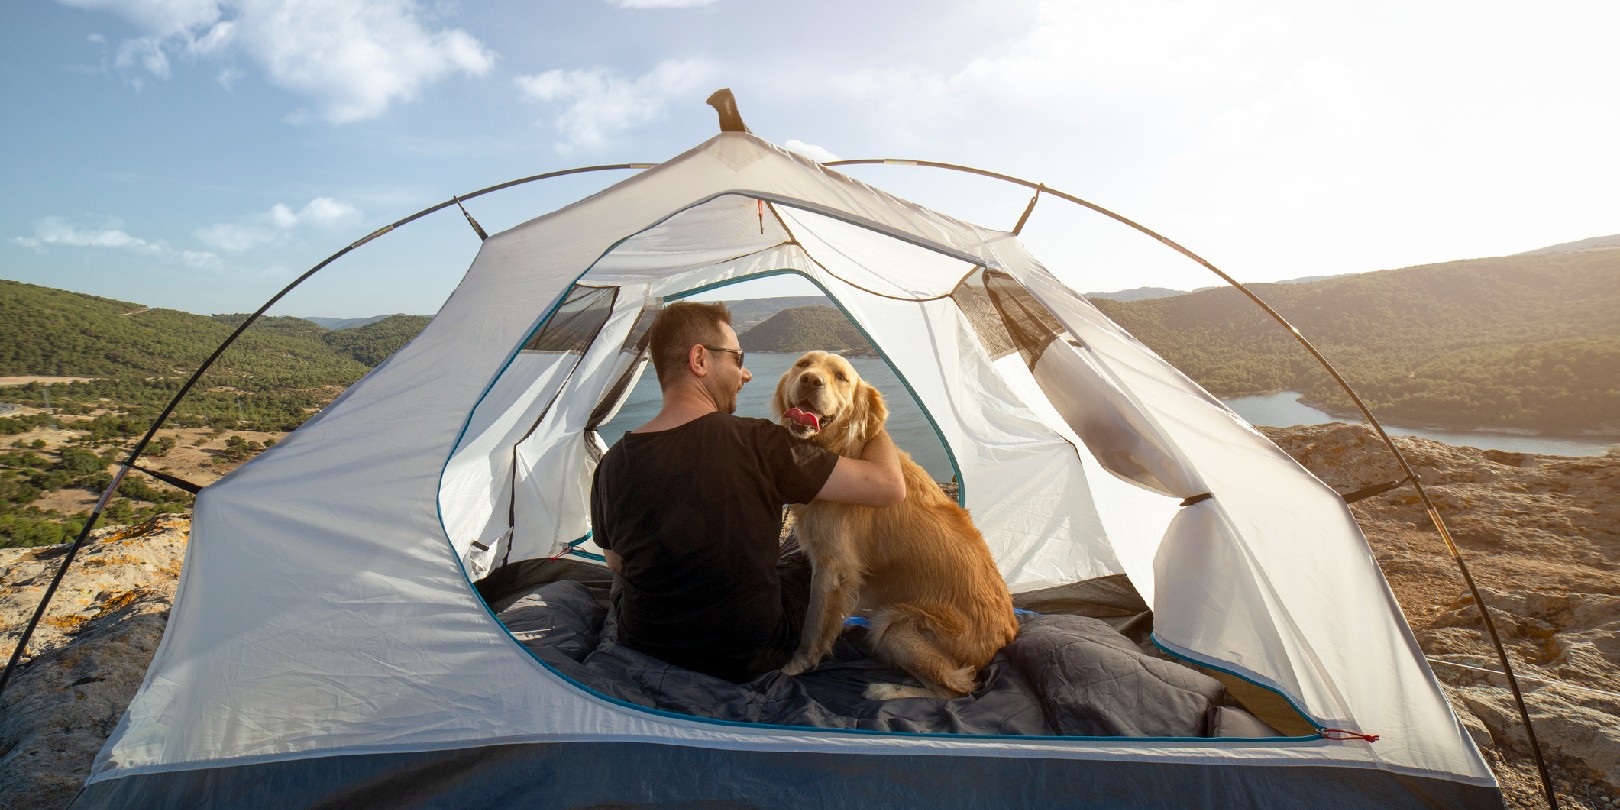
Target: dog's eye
{"points": [[803, 364], [841, 377]]}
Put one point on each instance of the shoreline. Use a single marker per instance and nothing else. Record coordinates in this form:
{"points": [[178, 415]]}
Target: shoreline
{"points": [[1339, 413]]}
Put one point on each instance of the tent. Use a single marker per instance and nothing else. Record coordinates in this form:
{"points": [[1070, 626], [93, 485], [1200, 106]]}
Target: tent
{"points": [[327, 645]]}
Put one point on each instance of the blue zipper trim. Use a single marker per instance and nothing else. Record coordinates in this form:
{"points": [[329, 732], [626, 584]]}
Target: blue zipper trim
{"points": [[1153, 637]]}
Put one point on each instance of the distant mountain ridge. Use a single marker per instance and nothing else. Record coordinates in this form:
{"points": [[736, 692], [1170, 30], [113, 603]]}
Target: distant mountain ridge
{"points": [[751, 312], [338, 324], [1594, 243], [1137, 294], [800, 329], [1529, 341]]}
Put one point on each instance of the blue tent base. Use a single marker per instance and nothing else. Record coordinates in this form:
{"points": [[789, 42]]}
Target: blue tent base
{"points": [[557, 775]]}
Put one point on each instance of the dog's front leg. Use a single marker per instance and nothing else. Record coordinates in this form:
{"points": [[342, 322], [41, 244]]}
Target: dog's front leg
{"points": [[834, 585], [822, 583]]}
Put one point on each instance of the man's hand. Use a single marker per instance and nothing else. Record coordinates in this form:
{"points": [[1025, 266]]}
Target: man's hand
{"points": [[874, 479]]}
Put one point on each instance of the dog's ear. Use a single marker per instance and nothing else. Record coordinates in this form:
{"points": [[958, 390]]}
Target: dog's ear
{"points": [[869, 415], [779, 400]]}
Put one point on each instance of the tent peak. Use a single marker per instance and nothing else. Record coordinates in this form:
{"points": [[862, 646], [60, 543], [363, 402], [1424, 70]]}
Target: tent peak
{"points": [[725, 104]]}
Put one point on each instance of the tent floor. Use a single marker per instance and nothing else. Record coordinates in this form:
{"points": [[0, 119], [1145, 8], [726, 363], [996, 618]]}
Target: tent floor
{"points": [[653, 775]]}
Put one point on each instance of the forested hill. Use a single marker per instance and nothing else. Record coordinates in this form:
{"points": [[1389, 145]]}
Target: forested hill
{"points": [[280, 370], [804, 328], [1529, 341]]}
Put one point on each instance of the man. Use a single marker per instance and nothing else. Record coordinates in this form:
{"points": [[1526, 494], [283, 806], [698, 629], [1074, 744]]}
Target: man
{"points": [[688, 509]]}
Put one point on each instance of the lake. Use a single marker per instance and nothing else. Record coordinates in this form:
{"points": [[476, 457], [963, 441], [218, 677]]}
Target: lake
{"points": [[1283, 409], [913, 433]]}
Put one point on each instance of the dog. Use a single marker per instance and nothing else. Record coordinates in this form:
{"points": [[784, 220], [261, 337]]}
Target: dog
{"points": [[937, 605]]}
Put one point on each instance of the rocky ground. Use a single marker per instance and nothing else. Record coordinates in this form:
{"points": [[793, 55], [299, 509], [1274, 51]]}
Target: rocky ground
{"points": [[1540, 534]]}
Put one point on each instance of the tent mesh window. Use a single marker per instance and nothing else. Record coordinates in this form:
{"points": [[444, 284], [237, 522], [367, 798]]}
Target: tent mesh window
{"points": [[1032, 326], [575, 324], [634, 343], [1005, 316]]}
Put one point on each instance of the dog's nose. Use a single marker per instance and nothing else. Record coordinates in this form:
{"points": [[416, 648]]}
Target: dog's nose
{"points": [[810, 381]]}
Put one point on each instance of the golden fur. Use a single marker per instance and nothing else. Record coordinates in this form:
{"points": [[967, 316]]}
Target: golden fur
{"points": [[937, 604]]}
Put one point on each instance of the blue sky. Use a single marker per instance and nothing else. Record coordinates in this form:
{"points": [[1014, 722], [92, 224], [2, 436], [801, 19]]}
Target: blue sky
{"points": [[199, 154]]}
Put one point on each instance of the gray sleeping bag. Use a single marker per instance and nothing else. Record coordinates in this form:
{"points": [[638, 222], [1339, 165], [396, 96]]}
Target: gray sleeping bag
{"points": [[1064, 675]]}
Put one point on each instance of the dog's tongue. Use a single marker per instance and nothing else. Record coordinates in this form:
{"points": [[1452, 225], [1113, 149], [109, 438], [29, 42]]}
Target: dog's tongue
{"points": [[804, 417]]}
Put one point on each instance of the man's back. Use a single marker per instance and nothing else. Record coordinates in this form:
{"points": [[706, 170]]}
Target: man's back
{"points": [[694, 512]]}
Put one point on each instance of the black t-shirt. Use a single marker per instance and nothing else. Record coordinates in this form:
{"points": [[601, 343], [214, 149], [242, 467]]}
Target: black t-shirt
{"points": [[695, 513]]}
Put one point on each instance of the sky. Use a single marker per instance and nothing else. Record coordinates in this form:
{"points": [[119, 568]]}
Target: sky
{"points": [[201, 154]]}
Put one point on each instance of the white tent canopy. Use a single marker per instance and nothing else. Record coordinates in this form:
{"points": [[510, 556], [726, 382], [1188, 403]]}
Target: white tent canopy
{"points": [[326, 618]]}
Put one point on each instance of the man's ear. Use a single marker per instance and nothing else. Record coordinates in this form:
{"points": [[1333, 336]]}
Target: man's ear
{"points": [[697, 360]]}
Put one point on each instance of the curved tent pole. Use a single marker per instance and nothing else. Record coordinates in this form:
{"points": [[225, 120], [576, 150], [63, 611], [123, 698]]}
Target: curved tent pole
{"points": [[140, 446], [1428, 504]]}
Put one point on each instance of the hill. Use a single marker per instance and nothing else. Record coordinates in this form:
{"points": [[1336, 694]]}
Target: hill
{"points": [[1594, 243], [374, 341], [279, 371], [1529, 341], [752, 312], [344, 323], [804, 328], [1137, 294]]}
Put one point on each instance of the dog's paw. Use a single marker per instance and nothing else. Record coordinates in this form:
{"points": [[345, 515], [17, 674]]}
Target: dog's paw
{"points": [[799, 665]]}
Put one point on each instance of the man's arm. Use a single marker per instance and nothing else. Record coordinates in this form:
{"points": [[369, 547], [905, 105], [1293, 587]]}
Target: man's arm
{"points": [[874, 479], [614, 561]]}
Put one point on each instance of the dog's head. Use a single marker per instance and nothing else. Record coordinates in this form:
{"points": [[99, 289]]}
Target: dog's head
{"points": [[847, 410]]}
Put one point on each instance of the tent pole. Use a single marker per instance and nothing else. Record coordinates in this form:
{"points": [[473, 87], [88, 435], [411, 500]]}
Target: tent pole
{"points": [[1428, 504], [140, 446]]}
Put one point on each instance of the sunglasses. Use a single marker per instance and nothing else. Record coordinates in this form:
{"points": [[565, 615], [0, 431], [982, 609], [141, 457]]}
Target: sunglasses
{"points": [[737, 352]]}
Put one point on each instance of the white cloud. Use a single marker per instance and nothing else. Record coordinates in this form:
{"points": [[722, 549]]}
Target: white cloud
{"points": [[97, 39], [353, 60], [274, 227], [160, 19], [809, 150], [600, 104], [145, 52], [55, 231], [201, 260]]}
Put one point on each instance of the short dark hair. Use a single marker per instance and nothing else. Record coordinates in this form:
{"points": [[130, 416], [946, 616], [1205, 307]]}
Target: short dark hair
{"points": [[677, 329]]}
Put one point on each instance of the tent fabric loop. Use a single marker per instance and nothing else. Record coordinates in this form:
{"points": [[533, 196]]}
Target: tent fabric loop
{"points": [[1374, 489], [1028, 209], [478, 229], [1343, 734]]}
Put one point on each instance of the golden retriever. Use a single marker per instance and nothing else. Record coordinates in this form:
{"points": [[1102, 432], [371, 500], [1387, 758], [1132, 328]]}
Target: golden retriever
{"points": [[938, 607]]}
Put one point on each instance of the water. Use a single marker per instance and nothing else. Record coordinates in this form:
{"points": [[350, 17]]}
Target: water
{"points": [[910, 429], [1284, 409], [913, 433]]}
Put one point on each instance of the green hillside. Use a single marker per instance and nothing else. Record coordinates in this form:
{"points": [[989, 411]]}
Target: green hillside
{"points": [[1530, 341], [377, 341], [804, 328], [276, 374]]}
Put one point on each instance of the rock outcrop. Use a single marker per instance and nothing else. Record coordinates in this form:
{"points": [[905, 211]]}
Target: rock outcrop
{"points": [[1541, 537], [88, 655], [1540, 534]]}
